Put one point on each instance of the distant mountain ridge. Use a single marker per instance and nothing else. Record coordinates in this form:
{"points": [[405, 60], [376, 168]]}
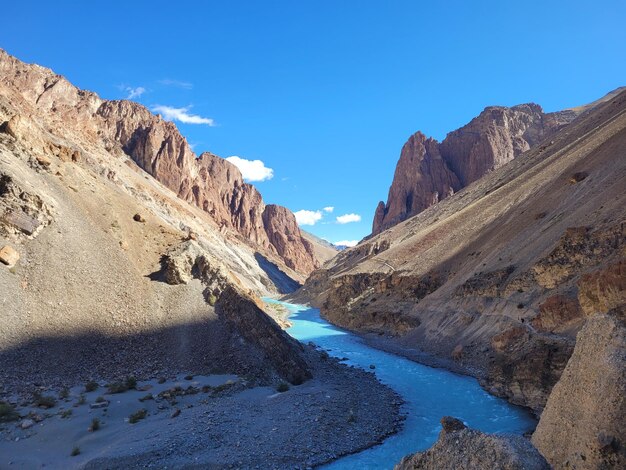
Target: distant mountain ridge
{"points": [[429, 171]]}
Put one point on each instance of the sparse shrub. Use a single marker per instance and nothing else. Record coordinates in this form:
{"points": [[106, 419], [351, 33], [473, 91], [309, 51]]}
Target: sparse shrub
{"points": [[282, 387], [137, 416], [81, 400], [131, 382], [64, 394], [7, 412], [95, 425], [43, 401], [189, 377], [223, 387], [117, 387], [91, 386], [100, 399], [75, 451], [66, 414], [146, 397]]}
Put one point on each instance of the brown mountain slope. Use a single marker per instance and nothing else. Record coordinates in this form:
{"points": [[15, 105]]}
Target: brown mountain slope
{"points": [[429, 171], [106, 270], [499, 277], [125, 127]]}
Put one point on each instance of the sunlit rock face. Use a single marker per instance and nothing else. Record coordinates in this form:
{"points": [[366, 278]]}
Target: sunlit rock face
{"points": [[429, 171]]}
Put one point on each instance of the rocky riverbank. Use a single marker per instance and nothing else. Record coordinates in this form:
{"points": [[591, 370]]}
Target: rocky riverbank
{"points": [[206, 421]]}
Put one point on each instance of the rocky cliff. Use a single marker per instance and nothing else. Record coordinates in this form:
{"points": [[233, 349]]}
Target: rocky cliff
{"points": [[429, 171], [497, 279], [156, 146], [582, 425], [461, 448]]}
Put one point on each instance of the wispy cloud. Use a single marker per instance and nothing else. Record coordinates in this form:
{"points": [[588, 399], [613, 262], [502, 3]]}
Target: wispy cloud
{"points": [[131, 91], [304, 217], [329, 209], [181, 114], [346, 243], [348, 218], [252, 170], [176, 83]]}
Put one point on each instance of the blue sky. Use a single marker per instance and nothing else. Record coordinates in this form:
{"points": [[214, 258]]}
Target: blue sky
{"points": [[325, 93]]}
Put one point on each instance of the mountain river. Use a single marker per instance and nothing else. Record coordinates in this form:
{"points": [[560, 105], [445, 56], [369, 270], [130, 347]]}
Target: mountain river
{"points": [[429, 393]]}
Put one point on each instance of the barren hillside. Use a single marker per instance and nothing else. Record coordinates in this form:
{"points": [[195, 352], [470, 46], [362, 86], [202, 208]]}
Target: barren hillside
{"points": [[500, 276], [108, 270]]}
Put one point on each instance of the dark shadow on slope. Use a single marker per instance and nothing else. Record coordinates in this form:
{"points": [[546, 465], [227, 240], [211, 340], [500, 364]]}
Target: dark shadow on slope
{"points": [[284, 284], [239, 339], [159, 275]]}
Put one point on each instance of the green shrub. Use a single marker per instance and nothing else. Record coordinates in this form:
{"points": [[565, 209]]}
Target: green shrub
{"points": [[131, 383], [146, 397], [66, 414], [137, 416], [100, 399], [75, 451], [8, 413], [212, 300], [81, 400], [43, 401], [91, 386], [95, 425], [282, 387], [64, 393], [117, 387]]}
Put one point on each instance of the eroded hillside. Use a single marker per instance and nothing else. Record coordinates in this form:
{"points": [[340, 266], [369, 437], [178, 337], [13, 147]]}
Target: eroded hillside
{"points": [[109, 269], [498, 278]]}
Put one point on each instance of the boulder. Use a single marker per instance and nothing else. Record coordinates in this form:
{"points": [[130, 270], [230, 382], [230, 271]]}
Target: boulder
{"points": [[461, 448], [8, 255]]}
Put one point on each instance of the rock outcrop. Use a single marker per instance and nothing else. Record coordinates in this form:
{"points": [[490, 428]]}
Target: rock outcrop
{"points": [[422, 178], [582, 425], [285, 236], [249, 321], [461, 448], [429, 171], [155, 145]]}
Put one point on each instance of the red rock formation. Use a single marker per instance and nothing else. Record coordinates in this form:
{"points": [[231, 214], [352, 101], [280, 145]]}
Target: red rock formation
{"points": [[421, 179], [497, 136], [429, 171], [284, 234], [210, 182]]}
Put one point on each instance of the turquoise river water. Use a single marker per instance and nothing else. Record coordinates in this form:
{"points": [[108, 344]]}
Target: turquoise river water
{"points": [[429, 393]]}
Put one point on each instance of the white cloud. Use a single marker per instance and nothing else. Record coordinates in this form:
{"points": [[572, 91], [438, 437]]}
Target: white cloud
{"points": [[133, 92], [252, 170], [176, 83], [346, 243], [304, 217], [181, 114], [329, 209], [347, 218]]}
